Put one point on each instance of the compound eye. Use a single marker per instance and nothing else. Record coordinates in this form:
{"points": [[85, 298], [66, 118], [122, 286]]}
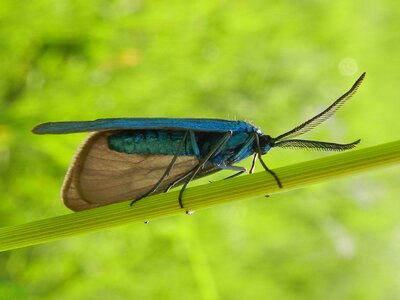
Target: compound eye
{"points": [[266, 139]]}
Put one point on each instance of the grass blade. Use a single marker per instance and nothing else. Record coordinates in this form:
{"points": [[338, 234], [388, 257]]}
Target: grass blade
{"points": [[162, 205]]}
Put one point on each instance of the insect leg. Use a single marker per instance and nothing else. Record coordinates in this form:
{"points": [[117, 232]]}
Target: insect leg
{"points": [[213, 151], [196, 152], [194, 144], [238, 156], [243, 152], [263, 164], [253, 163], [167, 171], [239, 170], [171, 185]]}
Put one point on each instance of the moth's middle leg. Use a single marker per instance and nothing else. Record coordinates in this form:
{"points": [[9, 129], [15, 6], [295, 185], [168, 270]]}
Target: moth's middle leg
{"points": [[215, 150], [167, 171]]}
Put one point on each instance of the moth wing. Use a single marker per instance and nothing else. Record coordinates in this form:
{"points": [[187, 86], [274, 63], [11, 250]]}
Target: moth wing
{"points": [[206, 125], [99, 176]]}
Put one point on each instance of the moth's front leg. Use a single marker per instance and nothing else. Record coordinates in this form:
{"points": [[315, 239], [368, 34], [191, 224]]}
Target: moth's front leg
{"points": [[238, 169]]}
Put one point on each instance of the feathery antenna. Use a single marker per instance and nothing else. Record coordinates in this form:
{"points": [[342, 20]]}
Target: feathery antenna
{"points": [[321, 117], [284, 140]]}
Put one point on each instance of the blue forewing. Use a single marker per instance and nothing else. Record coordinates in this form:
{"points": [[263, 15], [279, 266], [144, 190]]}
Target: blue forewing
{"points": [[202, 125], [130, 158]]}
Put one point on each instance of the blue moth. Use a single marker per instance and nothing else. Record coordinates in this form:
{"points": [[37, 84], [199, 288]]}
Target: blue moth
{"points": [[131, 158]]}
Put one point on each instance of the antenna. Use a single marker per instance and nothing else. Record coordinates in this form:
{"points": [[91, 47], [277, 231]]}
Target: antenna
{"points": [[285, 141]]}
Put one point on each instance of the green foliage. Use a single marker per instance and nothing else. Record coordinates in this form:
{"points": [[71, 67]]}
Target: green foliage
{"points": [[275, 63]]}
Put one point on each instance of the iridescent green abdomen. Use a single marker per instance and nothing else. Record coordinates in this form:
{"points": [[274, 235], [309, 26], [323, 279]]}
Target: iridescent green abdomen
{"points": [[150, 142]]}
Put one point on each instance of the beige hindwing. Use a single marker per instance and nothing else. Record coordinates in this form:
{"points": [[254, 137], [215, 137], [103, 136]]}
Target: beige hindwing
{"points": [[98, 176]]}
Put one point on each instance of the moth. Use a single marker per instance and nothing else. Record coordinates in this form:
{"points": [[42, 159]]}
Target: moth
{"points": [[131, 158]]}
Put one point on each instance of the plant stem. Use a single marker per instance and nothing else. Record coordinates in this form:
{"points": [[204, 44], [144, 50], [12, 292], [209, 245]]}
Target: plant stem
{"points": [[162, 205]]}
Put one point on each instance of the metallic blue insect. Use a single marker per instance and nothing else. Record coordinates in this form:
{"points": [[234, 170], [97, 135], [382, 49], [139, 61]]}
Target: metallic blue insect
{"points": [[131, 158]]}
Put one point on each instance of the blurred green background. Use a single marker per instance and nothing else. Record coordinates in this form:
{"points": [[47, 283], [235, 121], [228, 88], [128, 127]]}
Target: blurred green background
{"points": [[275, 63]]}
